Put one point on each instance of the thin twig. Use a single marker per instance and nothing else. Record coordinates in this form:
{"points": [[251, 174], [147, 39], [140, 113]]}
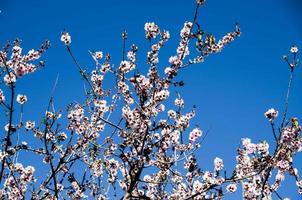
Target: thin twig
{"points": [[82, 72], [287, 97]]}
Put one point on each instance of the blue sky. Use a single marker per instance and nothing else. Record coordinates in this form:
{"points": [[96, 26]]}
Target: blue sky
{"points": [[231, 90]]}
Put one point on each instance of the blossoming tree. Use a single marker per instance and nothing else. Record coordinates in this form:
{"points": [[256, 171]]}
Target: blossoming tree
{"points": [[149, 153]]}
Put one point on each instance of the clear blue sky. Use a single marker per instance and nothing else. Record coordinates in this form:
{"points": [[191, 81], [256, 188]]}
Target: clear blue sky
{"points": [[231, 90]]}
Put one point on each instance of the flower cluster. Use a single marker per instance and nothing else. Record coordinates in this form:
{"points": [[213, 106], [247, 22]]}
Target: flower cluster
{"points": [[152, 30], [75, 116], [124, 88], [126, 66], [161, 95], [153, 53], [112, 168], [97, 80], [16, 186], [254, 163], [78, 191], [183, 48], [18, 65]]}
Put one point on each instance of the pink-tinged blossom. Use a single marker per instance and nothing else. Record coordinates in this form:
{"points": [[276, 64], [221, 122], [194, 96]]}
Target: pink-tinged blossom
{"points": [[66, 38], [165, 35], [218, 164], [112, 168], [168, 70], [288, 134], [19, 65], [126, 66], [209, 177], [147, 178], [263, 148], [101, 105], [185, 31], [249, 146], [49, 115], [294, 49], [161, 107], [105, 68], [131, 55], [197, 187], [96, 168], [299, 183], [60, 187], [16, 186], [153, 57], [124, 88], [175, 61], [231, 187], [21, 99], [245, 141], [195, 134], [283, 165], [179, 102], [32, 55], [183, 48], [29, 125], [79, 193], [161, 95], [271, 114], [9, 79], [280, 176], [98, 55]]}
